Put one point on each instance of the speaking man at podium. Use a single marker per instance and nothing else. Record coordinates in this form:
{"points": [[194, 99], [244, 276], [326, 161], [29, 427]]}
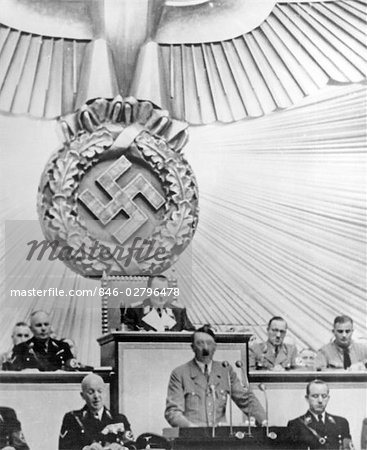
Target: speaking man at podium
{"points": [[198, 390]]}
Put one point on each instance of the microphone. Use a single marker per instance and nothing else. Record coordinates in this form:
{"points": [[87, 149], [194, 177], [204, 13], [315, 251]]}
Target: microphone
{"points": [[245, 381], [123, 309], [262, 388], [225, 364], [212, 390]]}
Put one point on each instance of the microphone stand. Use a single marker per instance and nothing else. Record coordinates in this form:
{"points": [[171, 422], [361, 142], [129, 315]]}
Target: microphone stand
{"points": [[212, 389], [263, 389], [225, 364], [246, 385]]}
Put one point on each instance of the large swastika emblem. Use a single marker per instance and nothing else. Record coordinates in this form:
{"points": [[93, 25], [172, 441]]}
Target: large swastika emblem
{"points": [[122, 199], [119, 198]]}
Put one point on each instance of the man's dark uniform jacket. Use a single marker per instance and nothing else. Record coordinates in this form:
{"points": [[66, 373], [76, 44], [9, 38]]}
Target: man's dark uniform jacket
{"points": [[10, 430], [79, 428], [142, 317], [37, 354], [333, 431]]}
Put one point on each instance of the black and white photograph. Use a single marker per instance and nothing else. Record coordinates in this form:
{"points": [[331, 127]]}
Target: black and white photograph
{"points": [[183, 255]]}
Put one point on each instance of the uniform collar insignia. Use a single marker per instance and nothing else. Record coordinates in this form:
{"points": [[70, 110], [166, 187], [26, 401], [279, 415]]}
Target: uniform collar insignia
{"points": [[62, 435]]}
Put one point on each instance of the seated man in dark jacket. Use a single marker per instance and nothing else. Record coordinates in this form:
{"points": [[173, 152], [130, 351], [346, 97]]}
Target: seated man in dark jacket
{"points": [[318, 429], [94, 423], [11, 435], [156, 313], [41, 351]]}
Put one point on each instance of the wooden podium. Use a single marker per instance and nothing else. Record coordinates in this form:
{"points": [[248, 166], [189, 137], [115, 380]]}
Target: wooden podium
{"points": [[241, 437], [143, 362]]}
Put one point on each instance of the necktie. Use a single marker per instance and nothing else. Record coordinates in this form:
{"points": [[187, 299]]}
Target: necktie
{"points": [[319, 416], [206, 372], [346, 357], [276, 350], [159, 311]]}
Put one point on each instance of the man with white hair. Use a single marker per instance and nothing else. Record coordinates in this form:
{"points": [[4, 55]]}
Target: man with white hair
{"points": [[93, 425]]}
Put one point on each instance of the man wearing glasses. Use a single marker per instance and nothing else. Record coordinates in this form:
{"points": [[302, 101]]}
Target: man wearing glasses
{"points": [[318, 429], [273, 354]]}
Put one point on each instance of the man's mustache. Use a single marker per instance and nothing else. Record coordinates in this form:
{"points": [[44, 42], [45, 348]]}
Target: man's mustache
{"points": [[205, 352]]}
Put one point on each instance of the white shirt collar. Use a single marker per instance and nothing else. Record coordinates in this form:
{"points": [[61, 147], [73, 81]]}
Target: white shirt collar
{"points": [[316, 416], [202, 366], [99, 413]]}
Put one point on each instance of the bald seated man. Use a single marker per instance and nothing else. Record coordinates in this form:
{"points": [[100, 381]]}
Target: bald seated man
{"points": [[41, 351], [94, 423]]}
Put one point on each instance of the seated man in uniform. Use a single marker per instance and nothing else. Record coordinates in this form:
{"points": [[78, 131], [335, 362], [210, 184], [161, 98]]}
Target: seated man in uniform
{"points": [[197, 390], [273, 354], [343, 352], [11, 435], [94, 423], [41, 351], [318, 429], [21, 333], [156, 313]]}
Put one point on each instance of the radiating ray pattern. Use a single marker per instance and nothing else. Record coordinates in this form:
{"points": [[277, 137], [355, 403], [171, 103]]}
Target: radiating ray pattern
{"points": [[39, 75], [296, 51], [282, 225], [281, 229]]}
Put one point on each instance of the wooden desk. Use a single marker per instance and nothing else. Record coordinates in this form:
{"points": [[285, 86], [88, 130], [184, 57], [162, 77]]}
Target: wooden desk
{"points": [[41, 399]]}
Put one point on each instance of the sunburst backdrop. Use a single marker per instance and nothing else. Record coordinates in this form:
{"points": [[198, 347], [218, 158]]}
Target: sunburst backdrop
{"points": [[281, 231]]}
